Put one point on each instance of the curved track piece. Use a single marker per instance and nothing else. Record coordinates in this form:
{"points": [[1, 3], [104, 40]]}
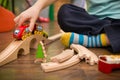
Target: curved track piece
{"points": [[53, 66], [83, 52]]}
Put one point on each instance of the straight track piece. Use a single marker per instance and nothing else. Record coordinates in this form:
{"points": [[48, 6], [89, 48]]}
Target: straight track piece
{"points": [[63, 56]]}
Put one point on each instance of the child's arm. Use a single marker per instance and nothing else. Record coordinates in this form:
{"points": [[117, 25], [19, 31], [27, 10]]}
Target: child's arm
{"points": [[32, 13]]}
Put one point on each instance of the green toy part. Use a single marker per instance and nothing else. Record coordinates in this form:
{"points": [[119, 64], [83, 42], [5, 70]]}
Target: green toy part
{"points": [[40, 52]]}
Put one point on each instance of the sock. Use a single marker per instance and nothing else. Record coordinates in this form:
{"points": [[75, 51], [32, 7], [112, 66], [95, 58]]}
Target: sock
{"points": [[89, 41]]}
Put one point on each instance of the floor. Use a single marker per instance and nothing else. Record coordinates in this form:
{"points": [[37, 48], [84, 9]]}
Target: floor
{"points": [[24, 67]]}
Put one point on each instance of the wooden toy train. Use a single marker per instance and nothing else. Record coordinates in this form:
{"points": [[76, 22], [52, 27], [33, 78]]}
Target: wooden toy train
{"points": [[22, 32]]}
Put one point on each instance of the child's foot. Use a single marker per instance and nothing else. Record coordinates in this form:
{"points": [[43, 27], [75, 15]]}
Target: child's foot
{"points": [[86, 40]]}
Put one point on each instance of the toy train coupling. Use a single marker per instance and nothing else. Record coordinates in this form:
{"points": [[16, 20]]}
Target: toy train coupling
{"points": [[26, 33]]}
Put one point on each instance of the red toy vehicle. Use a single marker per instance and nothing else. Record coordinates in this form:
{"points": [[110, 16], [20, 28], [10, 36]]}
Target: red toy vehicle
{"points": [[107, 63], [22, 32]]}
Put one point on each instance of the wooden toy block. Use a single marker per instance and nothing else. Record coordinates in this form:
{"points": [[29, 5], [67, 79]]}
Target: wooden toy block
{"points": [[83, 52], [107, 63], [63, 56], [40, 54], [53, 66], [19, 47]]}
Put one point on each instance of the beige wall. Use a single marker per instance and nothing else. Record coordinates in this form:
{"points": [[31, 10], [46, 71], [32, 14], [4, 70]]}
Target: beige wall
{"points": [[57, 6]]}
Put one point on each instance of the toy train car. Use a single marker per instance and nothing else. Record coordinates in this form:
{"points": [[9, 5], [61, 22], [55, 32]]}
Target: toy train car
{"points": [[107, 63], [22, 32]]}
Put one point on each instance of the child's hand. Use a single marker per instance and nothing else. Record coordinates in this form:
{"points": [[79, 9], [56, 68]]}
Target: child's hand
{"points": [[30, 15]]}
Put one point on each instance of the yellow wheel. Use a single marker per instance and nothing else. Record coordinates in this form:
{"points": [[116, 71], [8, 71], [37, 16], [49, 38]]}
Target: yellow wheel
{"points": [[23, 37], [26, 35], [35, 32], [40, 33], [29, 34]]}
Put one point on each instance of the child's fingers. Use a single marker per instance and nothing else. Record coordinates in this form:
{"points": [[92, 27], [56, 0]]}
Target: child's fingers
{"points": [[22, 20], [19, 20], [31, 27], [16, 20]]}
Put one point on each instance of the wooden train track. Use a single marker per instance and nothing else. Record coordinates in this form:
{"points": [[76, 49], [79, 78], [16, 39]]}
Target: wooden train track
{"points": [[11, 51]]}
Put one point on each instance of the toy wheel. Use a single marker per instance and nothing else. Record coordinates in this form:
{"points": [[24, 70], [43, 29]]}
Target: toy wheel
{"points": [[38, 32], [29, 34], [35, 32], [45, 34], [23, 37], [26, 35]]}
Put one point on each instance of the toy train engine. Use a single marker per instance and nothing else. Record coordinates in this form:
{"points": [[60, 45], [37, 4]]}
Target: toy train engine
{"points": [[22, 32], [18, 33]]}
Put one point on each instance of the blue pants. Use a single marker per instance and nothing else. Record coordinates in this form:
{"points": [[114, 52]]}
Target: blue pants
{"points": [[75, 19]]}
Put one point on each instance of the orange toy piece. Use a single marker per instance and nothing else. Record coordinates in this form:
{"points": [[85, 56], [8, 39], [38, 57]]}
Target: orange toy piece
{"points": [[6, 20]]}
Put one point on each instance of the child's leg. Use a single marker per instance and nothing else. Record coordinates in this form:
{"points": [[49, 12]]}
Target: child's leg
{"points": [[99, 40], [75, 19]]}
